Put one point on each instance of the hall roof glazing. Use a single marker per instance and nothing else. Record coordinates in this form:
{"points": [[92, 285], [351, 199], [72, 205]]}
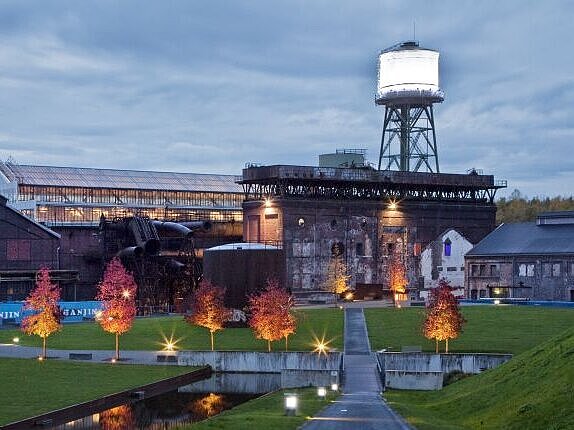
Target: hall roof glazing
{"points": [[120, 179]]}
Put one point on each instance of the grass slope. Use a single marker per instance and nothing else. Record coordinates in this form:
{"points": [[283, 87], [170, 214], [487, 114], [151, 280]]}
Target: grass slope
{"points": [[512, 329], [535, 390], [267, 412], [32, 387], [146, 334]]}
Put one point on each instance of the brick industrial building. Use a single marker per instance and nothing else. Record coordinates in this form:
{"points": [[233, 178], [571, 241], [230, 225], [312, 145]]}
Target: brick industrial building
{"points": [[533, 260], [366, 216], [86, 213]]}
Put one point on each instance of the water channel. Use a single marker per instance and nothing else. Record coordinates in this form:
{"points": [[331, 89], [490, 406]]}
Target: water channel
{"points": [[192, 403]]}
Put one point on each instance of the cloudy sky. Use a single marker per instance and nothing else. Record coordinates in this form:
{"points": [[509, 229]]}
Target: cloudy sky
{"points": [[207, 86]]}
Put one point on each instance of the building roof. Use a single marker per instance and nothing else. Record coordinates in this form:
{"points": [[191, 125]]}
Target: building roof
{"points": [[526, 239], [122, 179], [3, 204]]}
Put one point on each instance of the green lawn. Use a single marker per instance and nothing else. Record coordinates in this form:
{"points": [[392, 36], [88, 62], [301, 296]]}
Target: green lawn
{"points": [[32, 387], [267, 412], [512, 329], [533, 391], [146, 334]]}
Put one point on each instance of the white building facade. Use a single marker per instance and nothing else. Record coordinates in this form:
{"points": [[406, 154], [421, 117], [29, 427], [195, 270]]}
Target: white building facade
{"points": [[444, 258]]}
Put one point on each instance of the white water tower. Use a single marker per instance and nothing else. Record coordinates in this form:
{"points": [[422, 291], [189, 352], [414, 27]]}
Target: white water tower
{"points": [[408, 86]]}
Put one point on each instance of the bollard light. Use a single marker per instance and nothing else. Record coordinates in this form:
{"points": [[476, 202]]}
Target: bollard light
{"points": [[334, 386], [291, 404], [16, 340], [113, 360], [322, 392], [497, 302]]}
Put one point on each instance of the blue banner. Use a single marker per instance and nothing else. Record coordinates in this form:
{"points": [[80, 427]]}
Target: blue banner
{"points": [[72, 311]]}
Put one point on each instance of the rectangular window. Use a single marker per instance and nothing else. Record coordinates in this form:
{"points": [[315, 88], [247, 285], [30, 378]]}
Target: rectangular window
{"points": [[439, 268], [447, 248], [556, 270], [494, 270], [526, 269], [359, 249], [451, 269]]}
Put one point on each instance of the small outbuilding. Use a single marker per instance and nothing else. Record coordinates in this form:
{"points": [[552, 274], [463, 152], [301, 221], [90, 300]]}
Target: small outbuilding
{"points": [[243, 269], [444, 258], [532, 260]]}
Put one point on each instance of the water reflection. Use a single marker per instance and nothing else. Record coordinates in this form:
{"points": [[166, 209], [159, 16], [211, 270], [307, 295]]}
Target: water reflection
{"points": [[118, 418], [198, 401], [160, 412]]}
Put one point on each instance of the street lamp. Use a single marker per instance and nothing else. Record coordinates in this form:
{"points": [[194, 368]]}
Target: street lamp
{"points": [[291, 404]]}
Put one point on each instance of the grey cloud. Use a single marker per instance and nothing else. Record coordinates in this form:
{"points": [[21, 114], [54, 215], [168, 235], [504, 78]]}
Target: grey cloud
{"points": [[208, 86]]}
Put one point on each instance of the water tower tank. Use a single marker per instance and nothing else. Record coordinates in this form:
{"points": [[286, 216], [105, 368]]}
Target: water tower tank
{"points": [[408, 73]]}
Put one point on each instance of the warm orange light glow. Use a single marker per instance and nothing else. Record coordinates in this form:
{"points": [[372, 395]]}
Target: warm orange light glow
{"points": [[349, 296], [268, 202], [321, 346], [392, 205], [169, 344], [126, 294]]}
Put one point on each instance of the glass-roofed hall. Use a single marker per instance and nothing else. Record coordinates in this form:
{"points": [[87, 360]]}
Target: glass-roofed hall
{"points": [[59, 196]]}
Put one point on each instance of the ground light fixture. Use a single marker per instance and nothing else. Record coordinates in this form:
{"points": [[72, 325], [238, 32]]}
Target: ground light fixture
{"points": [[291, 404], [334, 386], [16, 340], [497, 302], [322, 392]]}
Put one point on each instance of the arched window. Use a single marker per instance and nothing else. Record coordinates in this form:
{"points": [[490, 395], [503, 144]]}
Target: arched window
{"points": [[447, 247]]}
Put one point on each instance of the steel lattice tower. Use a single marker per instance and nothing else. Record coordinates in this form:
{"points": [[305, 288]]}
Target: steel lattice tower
{"points": [[408, 88]]}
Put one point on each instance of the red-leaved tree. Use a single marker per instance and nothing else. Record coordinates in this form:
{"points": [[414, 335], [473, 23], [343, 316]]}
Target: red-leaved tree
{"points": [[397, 277], [43, 300], [271, 318], [117, 291], [208, 308], [443, 320]]}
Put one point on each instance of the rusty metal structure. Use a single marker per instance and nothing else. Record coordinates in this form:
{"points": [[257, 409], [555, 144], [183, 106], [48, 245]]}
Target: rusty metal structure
{"points": [[160, 254], [370, 217]]}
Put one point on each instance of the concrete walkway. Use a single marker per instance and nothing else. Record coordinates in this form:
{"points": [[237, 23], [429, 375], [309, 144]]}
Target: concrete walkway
{"points": [[360, 406], [128, 357]]}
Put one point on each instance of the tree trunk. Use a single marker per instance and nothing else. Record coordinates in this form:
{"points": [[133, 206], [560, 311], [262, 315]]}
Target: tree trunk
{"points": [[268, 346], [43, 347], [436, 346], [286, 344], [446, 350], [117, 346], [212, 340]]}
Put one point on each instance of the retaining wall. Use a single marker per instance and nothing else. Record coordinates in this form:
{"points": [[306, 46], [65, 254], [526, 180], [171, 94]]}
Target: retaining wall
{"points": [[406, 380], [271, 362], [424, 362], [418, 370]]}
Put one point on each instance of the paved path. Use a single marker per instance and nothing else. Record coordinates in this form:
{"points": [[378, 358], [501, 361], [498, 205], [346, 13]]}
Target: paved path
{"points": [[128, 357], [360, 406]]}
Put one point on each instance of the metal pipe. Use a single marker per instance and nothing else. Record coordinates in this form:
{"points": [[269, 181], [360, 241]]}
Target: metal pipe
{"points": [[131, 251], [197, 225], [173, 227]]}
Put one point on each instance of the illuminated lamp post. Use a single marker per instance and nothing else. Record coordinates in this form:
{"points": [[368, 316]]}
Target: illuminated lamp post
{"points": [[291, 404]]}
